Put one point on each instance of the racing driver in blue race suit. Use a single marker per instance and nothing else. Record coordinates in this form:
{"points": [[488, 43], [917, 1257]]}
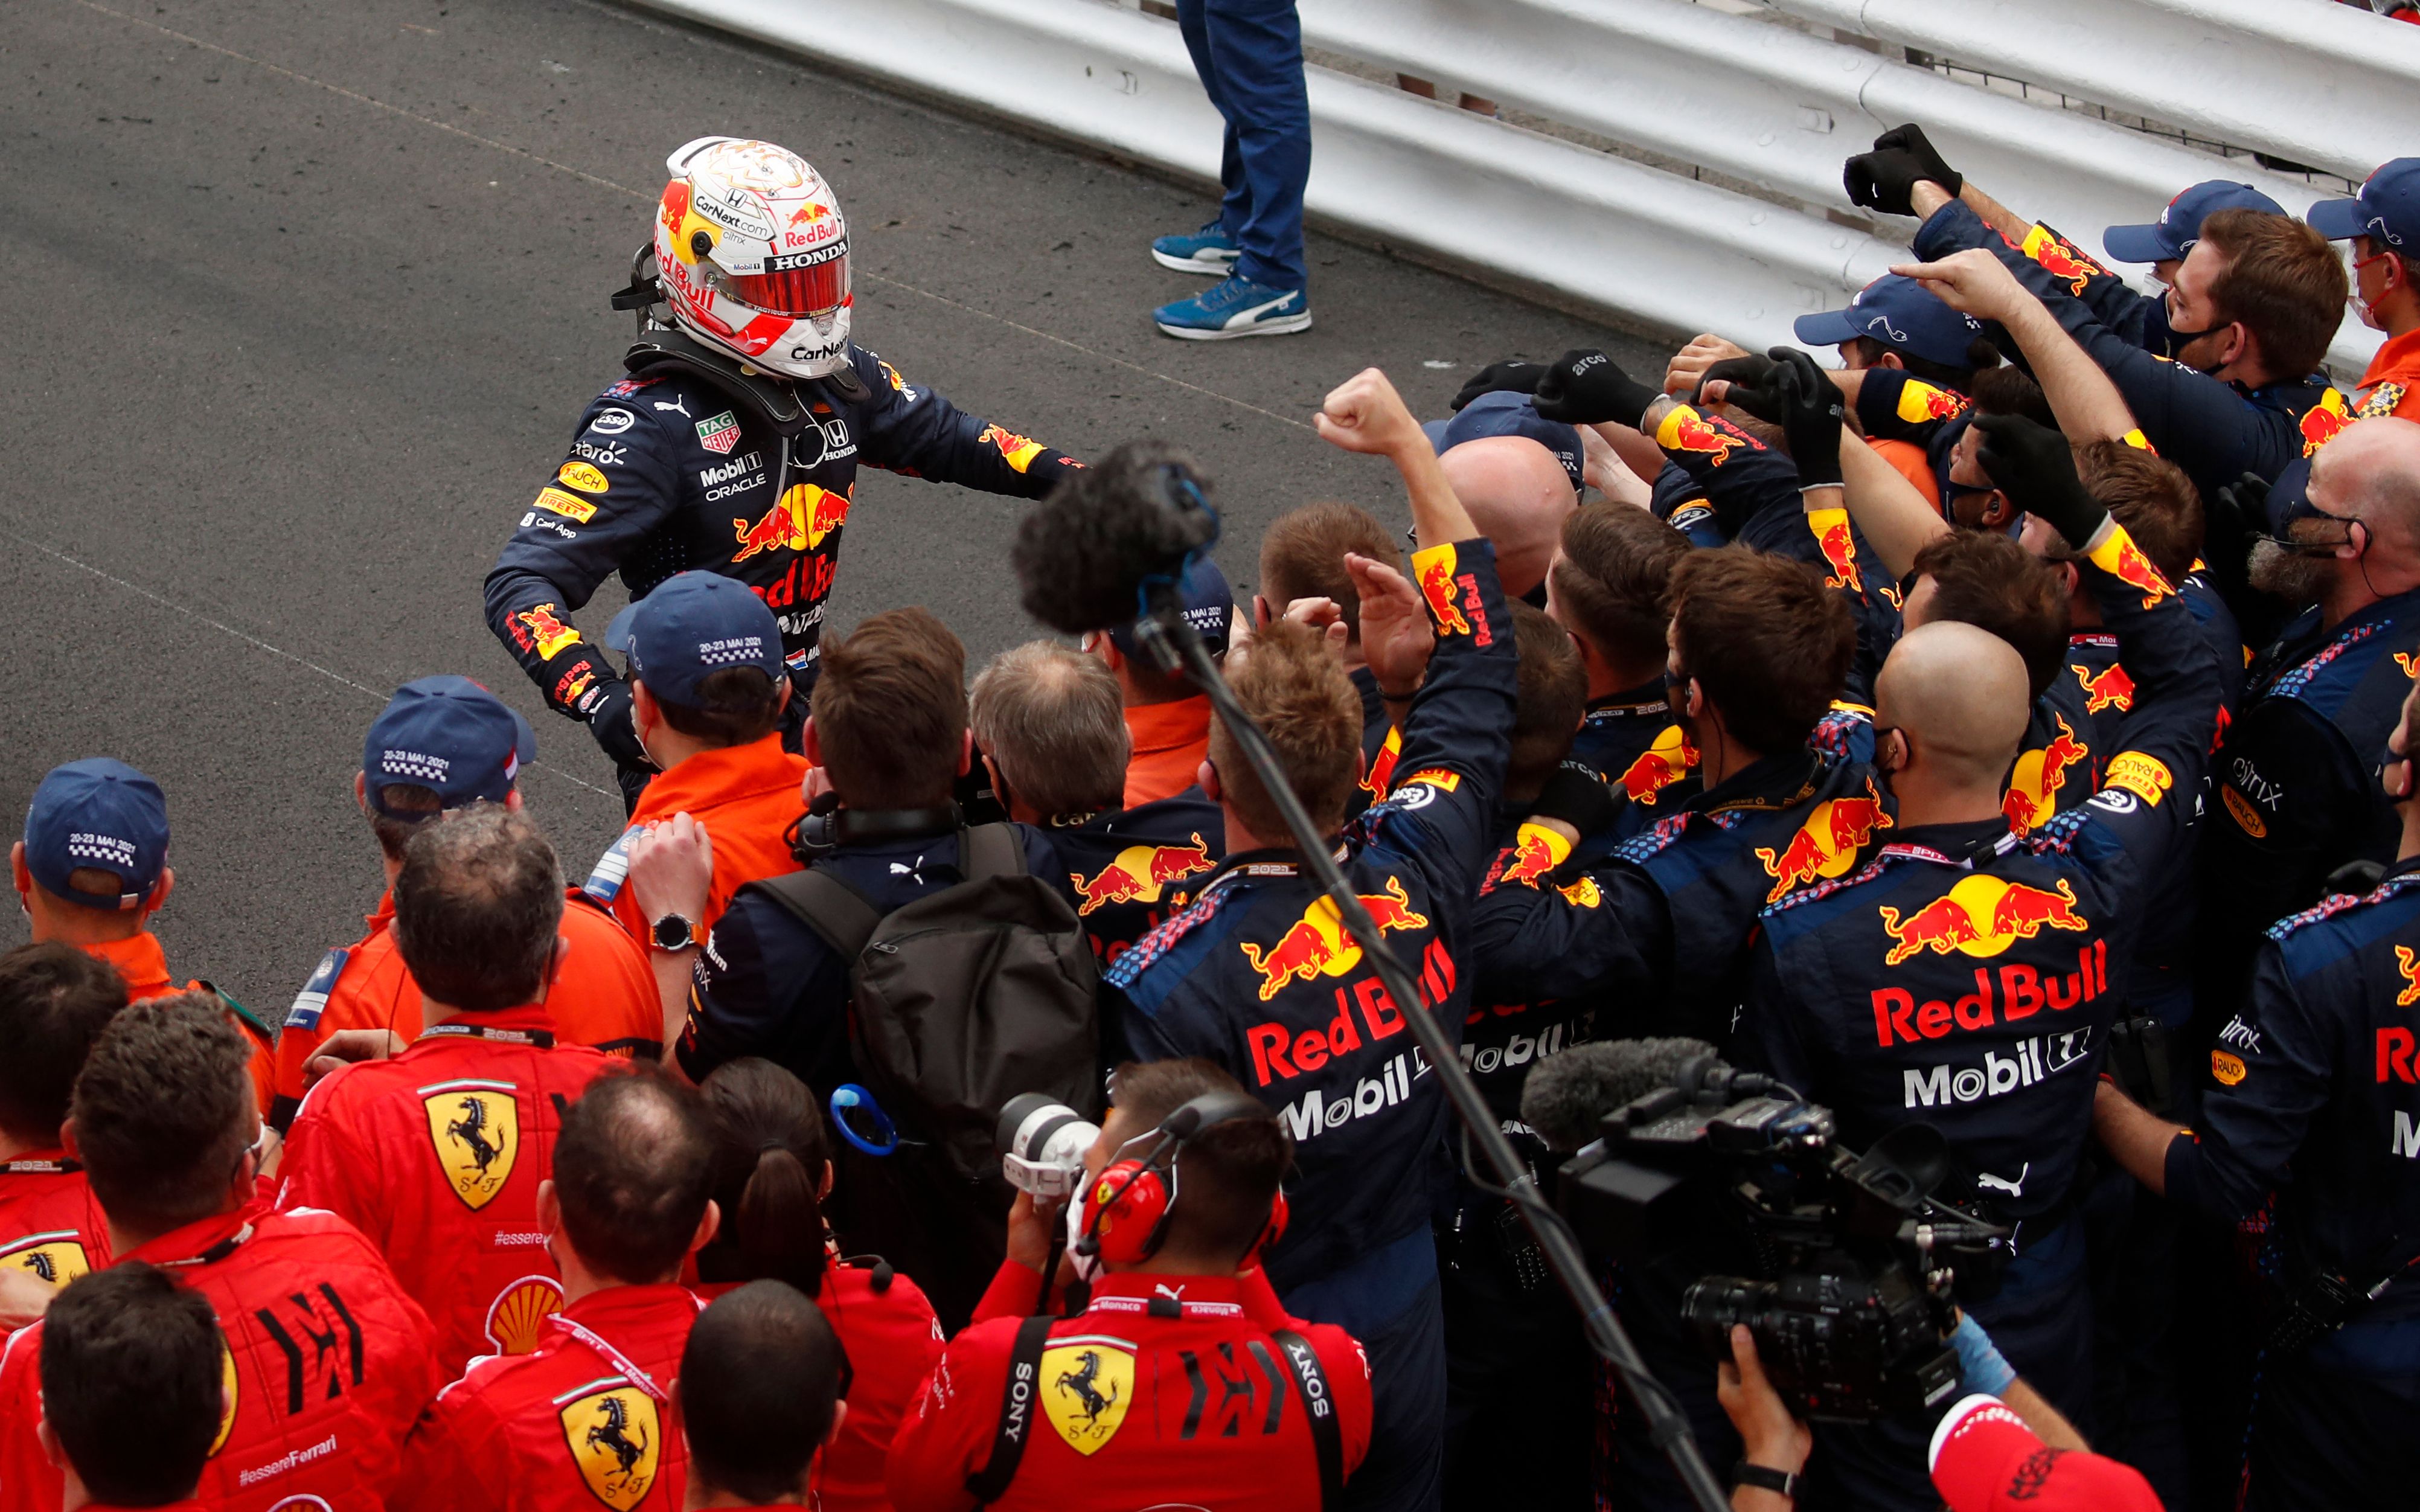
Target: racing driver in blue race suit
{"points": [[733, 444]]}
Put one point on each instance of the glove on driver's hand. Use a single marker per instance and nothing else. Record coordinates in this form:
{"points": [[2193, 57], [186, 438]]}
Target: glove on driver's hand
{"points": [[1510, 376], [2034, 466], [1910, 139], [2232, 518], [1743, 374], [1810, 409], [1584, 388]]}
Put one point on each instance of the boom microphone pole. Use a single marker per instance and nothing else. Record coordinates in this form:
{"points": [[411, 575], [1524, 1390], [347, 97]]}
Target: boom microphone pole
{"points": [[1086, 549]]}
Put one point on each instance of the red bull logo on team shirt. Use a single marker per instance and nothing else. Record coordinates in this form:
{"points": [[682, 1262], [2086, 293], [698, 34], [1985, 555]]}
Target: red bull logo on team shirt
{"points": [[2060, 259], [1716, 439], [1138, 874], [1379, 780], [1825, 844], [1534, 853], [1432, 570], [2033, 788], [2123, 559], [1830, 528], [1019, 451], [797, 521], [1316, 945], [1665, 761], [2321, 421], [548, 634], [1981, 917], [1919, 402], [2112, 688]]}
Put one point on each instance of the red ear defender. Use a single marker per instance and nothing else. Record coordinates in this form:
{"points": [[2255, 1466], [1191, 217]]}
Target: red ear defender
{"points": [[1124, 1211]]}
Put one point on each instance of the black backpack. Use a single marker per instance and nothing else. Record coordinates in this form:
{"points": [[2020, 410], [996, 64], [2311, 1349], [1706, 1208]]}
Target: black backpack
{"points": [[959, 1001]]}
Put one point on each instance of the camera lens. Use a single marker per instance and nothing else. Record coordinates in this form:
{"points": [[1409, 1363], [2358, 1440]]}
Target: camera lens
{"points": [[1042, 1144]]}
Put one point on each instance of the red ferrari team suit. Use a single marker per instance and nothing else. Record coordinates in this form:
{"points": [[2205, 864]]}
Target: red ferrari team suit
{"points": [[1166, 1391], [327, 1362], [747, 796], [50, 1222], [437, 1156], [893, 1341], [144, 967], [603, 995], [585, 1417]]}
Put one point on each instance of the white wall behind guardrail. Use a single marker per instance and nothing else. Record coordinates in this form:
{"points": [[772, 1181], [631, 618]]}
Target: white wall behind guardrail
{"points": [[1752, 101]]}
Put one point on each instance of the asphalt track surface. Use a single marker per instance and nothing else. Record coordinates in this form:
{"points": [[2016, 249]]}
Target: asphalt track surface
{"points": [[306, 298]]}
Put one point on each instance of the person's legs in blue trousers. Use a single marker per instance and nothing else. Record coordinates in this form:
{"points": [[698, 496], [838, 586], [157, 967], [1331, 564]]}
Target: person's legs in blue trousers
{"points": [[1248, 54]]}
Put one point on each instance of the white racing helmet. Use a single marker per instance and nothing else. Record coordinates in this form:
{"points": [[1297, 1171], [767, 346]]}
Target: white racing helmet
{"points": [[752, 253]]}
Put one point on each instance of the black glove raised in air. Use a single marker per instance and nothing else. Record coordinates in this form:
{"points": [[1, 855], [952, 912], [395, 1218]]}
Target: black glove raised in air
{"points": [[1743, 373], [2034, 466], [1584, 388], [1810, 409], [1509, 376], [1910, 139]]}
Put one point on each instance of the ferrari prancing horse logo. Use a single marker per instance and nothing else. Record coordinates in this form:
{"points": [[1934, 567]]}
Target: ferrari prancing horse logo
{"points": [[1087, 1384], [476, 1130], [616, 1437]]}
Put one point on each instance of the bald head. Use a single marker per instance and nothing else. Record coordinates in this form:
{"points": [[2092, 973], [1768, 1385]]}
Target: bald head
{"points": [[2371, 472], [1960, 695], [1517, 494]]}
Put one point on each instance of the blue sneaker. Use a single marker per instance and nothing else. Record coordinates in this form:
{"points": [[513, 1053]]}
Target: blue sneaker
{"points": [[1209, 250], [1235, 307]]}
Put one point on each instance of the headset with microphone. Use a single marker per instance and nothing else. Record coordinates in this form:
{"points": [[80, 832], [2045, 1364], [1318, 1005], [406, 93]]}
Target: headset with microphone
{"points": [[1128, 1207]]}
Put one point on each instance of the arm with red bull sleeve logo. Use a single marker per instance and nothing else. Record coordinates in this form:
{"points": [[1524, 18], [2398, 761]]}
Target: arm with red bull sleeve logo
{"points": [[2139, 318], [2208, 424], [1740, 477], [618, 485], [2133, 828], [911, 431]]}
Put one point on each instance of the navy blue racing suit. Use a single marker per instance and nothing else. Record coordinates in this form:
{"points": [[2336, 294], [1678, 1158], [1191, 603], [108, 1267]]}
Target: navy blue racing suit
{"points": [[2216, 429], [2314, 1096], [1967, 977], [670, 471], [1258, 976]]}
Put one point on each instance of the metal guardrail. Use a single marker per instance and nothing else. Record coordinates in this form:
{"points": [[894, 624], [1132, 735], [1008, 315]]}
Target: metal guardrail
{"points": [[1770, 112]]}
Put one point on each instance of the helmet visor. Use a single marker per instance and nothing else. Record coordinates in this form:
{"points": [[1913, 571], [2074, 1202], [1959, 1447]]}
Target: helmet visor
{"points": [[800, 285]]}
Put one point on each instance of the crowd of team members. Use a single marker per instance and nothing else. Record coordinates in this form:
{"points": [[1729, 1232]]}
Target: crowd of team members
{"points": [[2004, 730]]}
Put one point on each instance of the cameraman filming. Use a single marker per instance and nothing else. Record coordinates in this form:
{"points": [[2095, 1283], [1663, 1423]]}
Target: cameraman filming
{"points": [[1181, 1381], [2312, 1094]]}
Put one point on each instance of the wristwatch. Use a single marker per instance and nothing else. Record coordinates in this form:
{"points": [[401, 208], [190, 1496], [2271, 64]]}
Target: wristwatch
{"points": [[1766, 1478], [672, 932]]}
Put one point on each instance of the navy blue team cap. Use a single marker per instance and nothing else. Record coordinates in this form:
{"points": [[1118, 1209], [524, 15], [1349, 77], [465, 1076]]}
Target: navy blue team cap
{"points": [[1901, 314], [102, 814], [693, 625], [450, 736], [1207, 603], [1505, 414], [2387, 211], [2178, 226]]}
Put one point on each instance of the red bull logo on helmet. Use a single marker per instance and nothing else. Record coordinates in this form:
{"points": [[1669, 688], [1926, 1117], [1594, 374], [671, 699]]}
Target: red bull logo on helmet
{"points": [[1138, 874], [1669, 759], [1980, 916], [1316, 945], [1826, 845]]}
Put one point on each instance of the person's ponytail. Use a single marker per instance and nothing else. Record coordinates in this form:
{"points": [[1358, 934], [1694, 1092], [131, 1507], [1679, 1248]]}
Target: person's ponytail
{"points": [[770, 1156]]}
